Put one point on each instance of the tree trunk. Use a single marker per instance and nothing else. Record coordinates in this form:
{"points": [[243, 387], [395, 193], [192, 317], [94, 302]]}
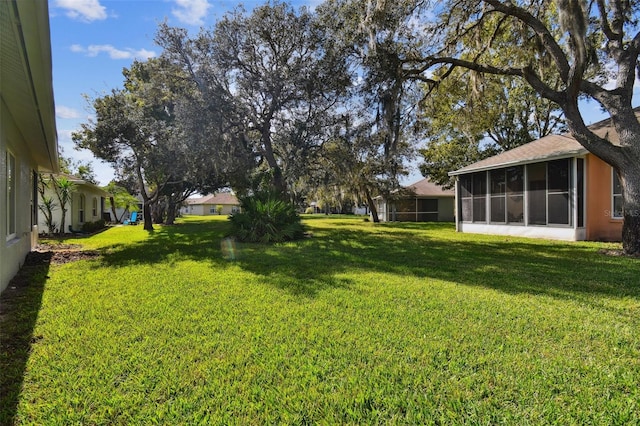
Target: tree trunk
{"points": [[630, 182], [372, 207], [112, 201], [171, 211], [63, 219], [146, 213], [277, 179]]}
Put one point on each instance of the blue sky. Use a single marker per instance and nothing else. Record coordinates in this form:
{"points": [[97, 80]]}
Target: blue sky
{"points": [[93, 40]]}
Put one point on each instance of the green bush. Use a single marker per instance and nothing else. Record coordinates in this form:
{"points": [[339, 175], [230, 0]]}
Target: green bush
{"points": [[309, 210], [91, 227], [266, 218]]}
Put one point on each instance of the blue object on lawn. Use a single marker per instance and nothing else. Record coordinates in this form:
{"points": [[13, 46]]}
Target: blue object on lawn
{"points": [[134, 218]]}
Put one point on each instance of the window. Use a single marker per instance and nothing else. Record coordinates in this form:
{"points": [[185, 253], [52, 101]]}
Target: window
{"points": [[507, 195], [11, 195], [81, 209], [428, 210], [498, 195], [94, 207], [404, 210], [515, 194], [466, 199], [34, 198], [548, 192], [212, 210], [558, 192], [479, 197], [537, 190], [580, 190], [616, 195], [473, 197]]}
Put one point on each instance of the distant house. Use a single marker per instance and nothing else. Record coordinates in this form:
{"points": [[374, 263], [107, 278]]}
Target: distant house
{"points": [[205, 206], [28, 139], [549, 188], [422, 201], [87, 205]]}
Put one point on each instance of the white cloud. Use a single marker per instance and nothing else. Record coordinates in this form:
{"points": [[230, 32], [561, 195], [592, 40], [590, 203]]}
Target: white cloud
{"points": [[66, 112], [84, 10], [191, 12], [94, 50]]}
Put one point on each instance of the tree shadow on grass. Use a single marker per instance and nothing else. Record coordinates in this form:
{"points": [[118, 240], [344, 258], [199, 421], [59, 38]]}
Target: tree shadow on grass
{"points": [[19, 307], [557, 269], [424, 251]]}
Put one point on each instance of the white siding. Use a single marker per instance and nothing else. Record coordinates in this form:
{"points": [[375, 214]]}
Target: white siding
{"points": [[13, 250]]}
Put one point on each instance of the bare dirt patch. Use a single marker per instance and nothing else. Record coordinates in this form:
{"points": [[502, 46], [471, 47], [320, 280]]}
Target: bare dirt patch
{"points": [[65, 253], [617, 253]]}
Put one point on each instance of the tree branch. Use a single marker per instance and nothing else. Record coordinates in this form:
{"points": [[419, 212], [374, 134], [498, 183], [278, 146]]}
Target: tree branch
{"points": [[541, 30]]}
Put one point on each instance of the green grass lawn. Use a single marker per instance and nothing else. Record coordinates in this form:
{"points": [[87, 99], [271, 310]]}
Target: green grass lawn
{"points": [[359, 324]]}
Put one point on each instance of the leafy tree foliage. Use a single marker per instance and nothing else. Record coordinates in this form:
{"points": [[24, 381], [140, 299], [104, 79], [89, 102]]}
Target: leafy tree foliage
{"points": [[469, 117], [377, 139], [136, 131], [564, 50], [47, 204], [270, 75], [77, 168]]}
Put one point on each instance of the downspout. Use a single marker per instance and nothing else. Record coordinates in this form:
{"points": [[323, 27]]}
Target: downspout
{"points": [[456, 210]]}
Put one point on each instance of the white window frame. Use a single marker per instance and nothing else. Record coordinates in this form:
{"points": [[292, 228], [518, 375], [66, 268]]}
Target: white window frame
{"points": [[11, 197], [81, 209], [615, 195], [94, 207]]}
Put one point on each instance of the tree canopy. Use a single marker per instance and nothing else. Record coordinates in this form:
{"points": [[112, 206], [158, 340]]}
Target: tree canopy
{"points": [[260, 99]]}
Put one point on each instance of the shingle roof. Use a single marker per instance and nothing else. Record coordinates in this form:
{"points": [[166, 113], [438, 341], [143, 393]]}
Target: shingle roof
{"points": [[546, 148], [81, 182], [223, 198], [427, 188]]}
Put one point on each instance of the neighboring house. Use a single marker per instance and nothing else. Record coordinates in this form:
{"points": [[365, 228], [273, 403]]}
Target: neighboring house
{"points": [[206, 206], [422, 201], [28, 140], [87, 205], [549, 188]]}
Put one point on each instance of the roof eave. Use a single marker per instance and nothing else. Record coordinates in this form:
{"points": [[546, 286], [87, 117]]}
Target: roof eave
{"points": [[566, 154]]}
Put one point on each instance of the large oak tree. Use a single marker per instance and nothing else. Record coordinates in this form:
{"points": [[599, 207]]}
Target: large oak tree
{"points": [[566, 50]]}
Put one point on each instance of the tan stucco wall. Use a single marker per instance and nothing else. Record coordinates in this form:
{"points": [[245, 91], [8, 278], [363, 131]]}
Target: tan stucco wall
{"points": [[600, 225]]}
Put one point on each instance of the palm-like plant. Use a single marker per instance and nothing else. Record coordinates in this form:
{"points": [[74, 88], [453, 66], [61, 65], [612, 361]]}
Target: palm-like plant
{"points": [[64, 189], [266, 218]]}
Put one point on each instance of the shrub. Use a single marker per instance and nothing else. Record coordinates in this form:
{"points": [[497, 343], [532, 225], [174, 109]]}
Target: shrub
{"points": [[266, 218], [91, 227], [309, 210]]}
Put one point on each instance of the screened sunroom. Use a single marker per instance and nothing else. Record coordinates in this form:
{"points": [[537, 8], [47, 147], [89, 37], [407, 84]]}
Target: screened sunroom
{"points": [[549, 188]]}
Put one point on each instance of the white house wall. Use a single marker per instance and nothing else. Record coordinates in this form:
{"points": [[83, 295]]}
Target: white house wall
{"points": [[205, 209], [546, 232], [72, 216], [13, 249]]}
